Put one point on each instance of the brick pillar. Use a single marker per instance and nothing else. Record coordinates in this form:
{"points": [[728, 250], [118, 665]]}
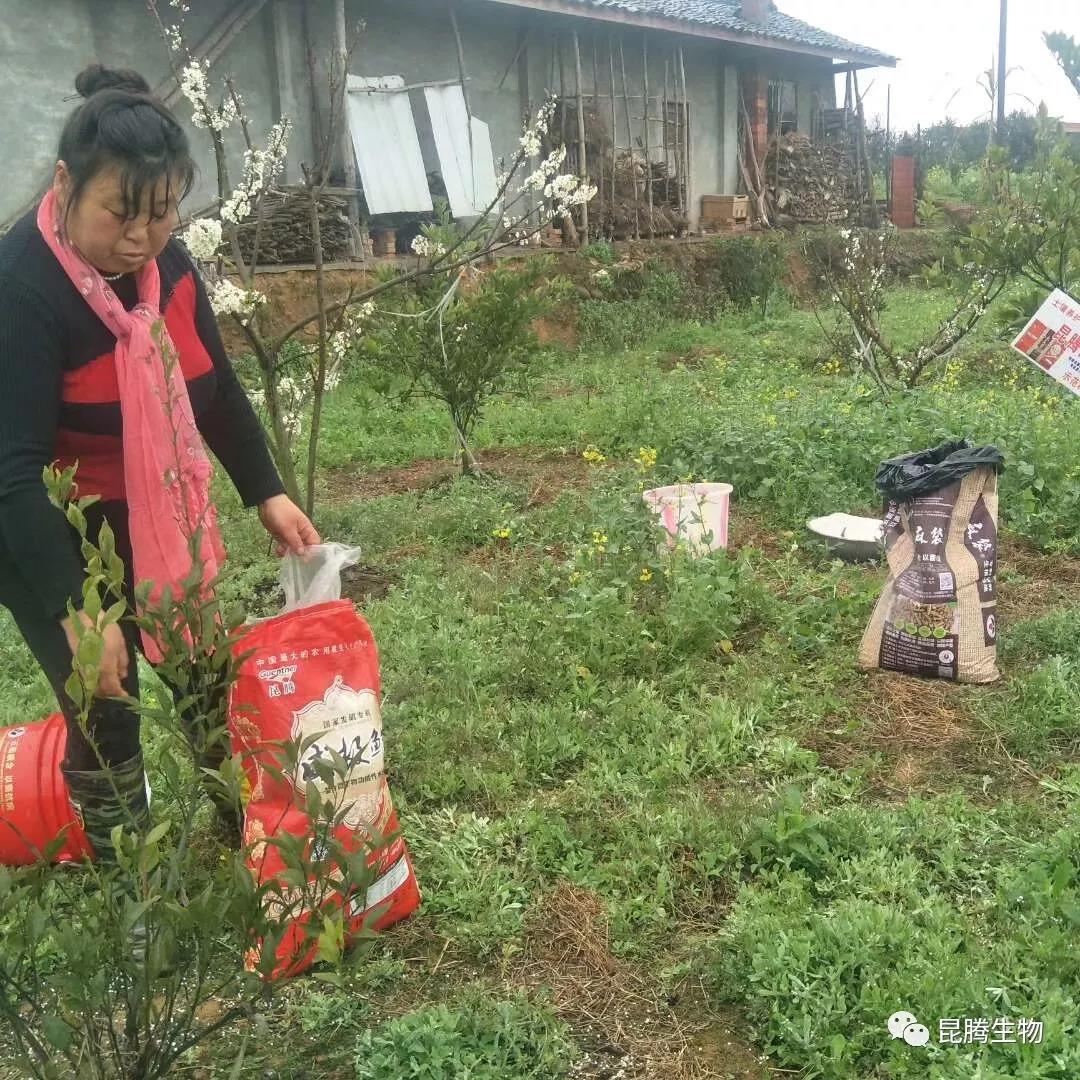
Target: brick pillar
{"points": [[902, 207], [755, 88]]}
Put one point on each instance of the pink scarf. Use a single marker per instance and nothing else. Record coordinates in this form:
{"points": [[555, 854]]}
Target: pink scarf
{"points": [[166, 470]]}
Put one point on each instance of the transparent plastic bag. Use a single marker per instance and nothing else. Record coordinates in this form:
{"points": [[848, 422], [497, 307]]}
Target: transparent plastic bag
{"points": [[315, 577]]}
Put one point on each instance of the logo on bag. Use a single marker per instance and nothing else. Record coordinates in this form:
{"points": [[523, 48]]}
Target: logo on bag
{"points": [[280, 680], [348, 723]]}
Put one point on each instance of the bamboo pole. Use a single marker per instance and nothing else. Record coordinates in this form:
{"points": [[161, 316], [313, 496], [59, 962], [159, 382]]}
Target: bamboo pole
{"points": [[864, 148], [680, 169], [645, 125], [614, 126], [562, 92], [664, 131], [345, 143], [686, 131], [596, 117], [583, 164], [630, 141], [463, 76], [748, 152]]}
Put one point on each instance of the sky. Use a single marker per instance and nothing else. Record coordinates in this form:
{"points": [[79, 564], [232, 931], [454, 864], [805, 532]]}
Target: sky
{"points": [[943, 46]]}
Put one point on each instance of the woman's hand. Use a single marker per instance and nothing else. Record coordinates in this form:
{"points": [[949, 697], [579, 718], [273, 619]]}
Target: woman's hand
{"points": [[288, 525], [113, 669]]}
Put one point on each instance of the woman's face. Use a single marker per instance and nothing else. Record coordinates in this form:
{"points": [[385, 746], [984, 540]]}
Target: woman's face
{"points": [[98, 228]]}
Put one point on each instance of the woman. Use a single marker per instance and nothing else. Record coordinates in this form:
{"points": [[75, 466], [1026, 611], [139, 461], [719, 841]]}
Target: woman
{"points": [[82, 281]]}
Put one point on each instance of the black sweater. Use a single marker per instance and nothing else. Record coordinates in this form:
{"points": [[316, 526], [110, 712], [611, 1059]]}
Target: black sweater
{"points": [[59, 402]]}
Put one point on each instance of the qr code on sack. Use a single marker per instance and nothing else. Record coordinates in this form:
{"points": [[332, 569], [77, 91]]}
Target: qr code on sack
{"points": [[945, 581]]}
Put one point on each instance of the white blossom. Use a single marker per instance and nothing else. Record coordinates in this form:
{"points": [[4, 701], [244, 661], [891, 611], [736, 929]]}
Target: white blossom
{"points": [[203, 238], [350, 329], [261, 169], [530, 144], [193, 87], [567, 191], [427, 248], [227, 298], [547, 169]]}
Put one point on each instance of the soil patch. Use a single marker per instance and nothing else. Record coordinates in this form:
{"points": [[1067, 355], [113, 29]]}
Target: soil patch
{"points": [[560, 328], [544, 473], [290, 296], [628, 1029], [1032, 583], [671, 360], [926, 738], [362, 584], [749, 531]]}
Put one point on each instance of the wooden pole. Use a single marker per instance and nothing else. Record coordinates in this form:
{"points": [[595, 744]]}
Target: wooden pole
{"points": [[1003, 71], [753, 180], [864, 149], [348, 154], [680, 156], [463, 77], [583, 164], [686, 132], [888, 146], [596, 117], [525, 98], [313, 97], [664, 131], [630, 141], [562, 93], [648, 140], [614, 129]]}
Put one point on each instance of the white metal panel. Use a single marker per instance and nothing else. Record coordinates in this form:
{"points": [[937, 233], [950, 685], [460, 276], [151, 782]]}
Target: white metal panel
{"points": [[468, 165], [387, 147]]}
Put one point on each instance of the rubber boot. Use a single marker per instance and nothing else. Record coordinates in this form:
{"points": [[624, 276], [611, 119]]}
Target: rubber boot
{"points": [[109, 797], [105, 798]]}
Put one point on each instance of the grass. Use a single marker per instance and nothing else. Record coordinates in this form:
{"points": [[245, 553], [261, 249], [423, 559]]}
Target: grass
{"points": [[661, 823]]}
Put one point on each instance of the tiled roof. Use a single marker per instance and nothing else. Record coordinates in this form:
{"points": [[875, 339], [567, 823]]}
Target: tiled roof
{"points": [[727, 15]]}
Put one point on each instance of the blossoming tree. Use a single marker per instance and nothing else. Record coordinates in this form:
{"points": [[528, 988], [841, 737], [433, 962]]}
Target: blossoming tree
{"points": [[532, 192]]}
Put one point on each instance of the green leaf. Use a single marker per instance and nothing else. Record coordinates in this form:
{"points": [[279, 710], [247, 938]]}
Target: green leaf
{"points": [[57, 1032]]}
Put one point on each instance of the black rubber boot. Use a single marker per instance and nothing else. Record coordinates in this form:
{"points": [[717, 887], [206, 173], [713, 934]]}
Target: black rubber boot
{"points": [[104, 799], [109, 797]]}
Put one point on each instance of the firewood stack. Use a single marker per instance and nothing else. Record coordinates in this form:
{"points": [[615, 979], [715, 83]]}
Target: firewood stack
{"points": [[631, 174], [285, 234], [810, 183]]}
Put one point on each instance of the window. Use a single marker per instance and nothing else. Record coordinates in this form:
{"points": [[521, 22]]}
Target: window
{"points": [[783, 107], [675, 121]]}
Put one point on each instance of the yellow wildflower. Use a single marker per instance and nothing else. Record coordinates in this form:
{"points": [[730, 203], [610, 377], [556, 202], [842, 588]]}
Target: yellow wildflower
{"points": [[645, 576], [646, 458], [593, 455]]}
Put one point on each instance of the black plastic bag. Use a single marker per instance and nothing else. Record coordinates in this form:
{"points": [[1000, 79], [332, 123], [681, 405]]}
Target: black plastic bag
{"points": [[911, 476]]}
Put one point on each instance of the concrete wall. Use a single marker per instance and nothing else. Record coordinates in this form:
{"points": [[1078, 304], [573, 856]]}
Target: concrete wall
{"points": [[401, 37]]}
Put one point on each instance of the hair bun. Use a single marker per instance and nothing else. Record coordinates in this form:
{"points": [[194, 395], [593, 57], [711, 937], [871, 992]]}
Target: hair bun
{"points": [[97, 77]]}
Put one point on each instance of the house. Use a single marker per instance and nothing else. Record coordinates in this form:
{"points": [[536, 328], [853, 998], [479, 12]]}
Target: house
{"points": [[670, 78]]}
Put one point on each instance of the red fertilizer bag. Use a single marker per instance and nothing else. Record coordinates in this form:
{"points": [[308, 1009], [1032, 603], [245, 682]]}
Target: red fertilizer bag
{"points": [[311, 677]]}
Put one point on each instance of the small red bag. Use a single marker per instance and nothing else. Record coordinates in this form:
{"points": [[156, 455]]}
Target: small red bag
{"points": [[313, 671]]}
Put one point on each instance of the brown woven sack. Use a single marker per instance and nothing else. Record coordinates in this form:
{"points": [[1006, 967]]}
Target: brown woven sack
{"points": [[937, 616]]}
